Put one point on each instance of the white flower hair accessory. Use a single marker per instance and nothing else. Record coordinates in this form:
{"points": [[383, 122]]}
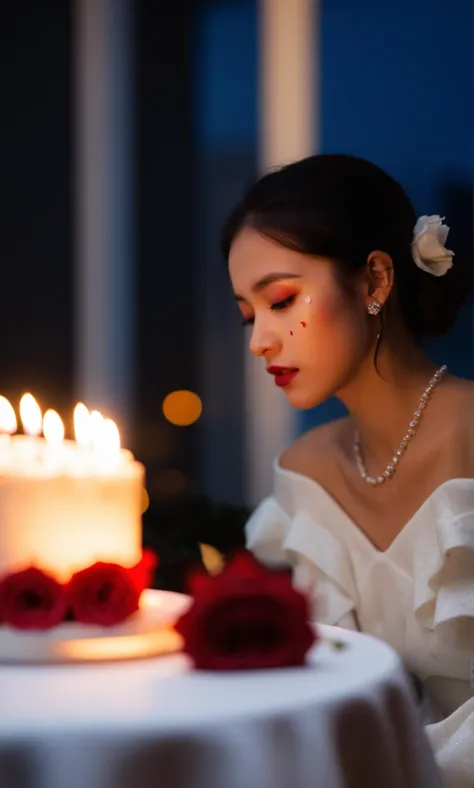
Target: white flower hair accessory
{"points": [[428, 250]]}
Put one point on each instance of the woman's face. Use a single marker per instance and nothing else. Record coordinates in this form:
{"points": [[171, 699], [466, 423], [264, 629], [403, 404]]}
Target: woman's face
{"points": [[311, 336]]}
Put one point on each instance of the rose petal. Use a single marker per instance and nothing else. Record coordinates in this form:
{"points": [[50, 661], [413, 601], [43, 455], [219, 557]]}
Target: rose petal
{"points": [[142, 573], [429, 247], [32, 599], [102, 594], [244, 566], [198, 582]]}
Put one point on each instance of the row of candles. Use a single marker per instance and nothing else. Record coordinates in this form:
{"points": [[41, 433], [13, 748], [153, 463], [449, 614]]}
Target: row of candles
{"points": [[97, 436]]}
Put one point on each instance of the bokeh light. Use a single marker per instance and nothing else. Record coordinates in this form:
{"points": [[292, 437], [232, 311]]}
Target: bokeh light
{"points": [[182, 408], [145, 500]]}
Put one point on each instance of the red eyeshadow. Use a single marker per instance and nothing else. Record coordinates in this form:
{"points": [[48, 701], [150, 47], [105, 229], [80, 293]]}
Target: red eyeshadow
{"points": [[277, 294]]}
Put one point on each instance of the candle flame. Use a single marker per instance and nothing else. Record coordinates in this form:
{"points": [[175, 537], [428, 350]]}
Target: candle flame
{"points": [[82, 425], [7, 417], [96, 422], [30, 414], [53, 427], [111, 436], [107, 443]]}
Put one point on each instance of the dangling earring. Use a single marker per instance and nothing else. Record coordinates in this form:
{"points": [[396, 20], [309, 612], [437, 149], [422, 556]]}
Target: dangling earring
{"points": [[374, 308]]}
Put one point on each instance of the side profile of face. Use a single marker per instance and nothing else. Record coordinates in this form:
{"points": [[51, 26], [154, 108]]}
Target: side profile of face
{"points": [[304, 326]]}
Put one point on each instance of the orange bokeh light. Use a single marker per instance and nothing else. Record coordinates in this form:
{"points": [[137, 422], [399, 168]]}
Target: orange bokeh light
{"points": [[182, 408]]}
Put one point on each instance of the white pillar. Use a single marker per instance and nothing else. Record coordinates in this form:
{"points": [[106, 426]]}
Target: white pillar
{"points": [[288, 108], [103, 204]]}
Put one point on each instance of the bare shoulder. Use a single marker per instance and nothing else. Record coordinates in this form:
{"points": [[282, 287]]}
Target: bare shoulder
{"points": [[313, 453]]}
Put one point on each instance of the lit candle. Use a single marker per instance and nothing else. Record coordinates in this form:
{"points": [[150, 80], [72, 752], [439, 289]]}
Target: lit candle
{"points": [[32, 420], [82, 426], [107, 445], [8, 425], [96, 425], [53, 431], [30, 414], [8, 422]]}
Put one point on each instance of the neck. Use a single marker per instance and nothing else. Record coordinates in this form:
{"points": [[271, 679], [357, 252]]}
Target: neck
{"points": [[382, 403]]}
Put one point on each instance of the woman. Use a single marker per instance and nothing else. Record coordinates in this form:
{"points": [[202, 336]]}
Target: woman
{"points": [[375, 511]]}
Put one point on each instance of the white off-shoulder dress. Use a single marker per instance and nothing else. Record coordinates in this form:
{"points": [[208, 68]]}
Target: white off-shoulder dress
{"points": [[418, 595]]}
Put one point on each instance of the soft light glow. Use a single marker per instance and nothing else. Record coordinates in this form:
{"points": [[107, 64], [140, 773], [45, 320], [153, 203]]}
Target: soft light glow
{"points": [[96, 423], [145, 501], [7, 417], [141, 644], [83, 425], [30, 414], [111, 436], [182, 408], [106, 440], [53, 427]]}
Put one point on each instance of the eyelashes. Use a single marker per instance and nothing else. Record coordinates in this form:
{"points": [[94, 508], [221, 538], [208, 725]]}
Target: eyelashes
{"points": [[278, 306]]}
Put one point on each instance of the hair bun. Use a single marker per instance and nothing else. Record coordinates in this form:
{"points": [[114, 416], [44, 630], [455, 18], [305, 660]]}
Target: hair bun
{"points": [[430, 304]]}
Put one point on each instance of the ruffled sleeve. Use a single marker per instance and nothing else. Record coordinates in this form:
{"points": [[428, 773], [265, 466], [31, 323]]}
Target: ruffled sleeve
{"points": [[266, 532], [320, 562], [452, 740], [444, 570], [443, 563]]}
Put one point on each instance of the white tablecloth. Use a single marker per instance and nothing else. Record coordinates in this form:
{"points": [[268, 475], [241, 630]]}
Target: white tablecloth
{"points": [[348, 720]]}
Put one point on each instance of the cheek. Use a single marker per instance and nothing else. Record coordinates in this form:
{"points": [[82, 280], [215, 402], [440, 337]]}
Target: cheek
{"points": [[333, 324], [329, 312]]}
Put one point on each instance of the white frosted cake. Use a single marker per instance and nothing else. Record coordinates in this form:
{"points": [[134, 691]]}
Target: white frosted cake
{"points": [[74, 580], [64, 510], [70, 521]]}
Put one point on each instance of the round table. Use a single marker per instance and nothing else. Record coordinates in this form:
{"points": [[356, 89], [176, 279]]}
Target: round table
{"points": [[346, 720]]}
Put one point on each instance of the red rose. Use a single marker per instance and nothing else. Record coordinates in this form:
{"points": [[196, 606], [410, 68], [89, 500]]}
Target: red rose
{"points": [[245, 618], [31, 599], [142, 573], [102, 594]]}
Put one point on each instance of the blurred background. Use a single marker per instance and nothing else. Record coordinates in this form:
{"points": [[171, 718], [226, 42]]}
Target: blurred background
{"points": [[128, 129]]}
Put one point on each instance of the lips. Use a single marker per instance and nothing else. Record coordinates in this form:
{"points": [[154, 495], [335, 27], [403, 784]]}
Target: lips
{"points": [[283, 375]]}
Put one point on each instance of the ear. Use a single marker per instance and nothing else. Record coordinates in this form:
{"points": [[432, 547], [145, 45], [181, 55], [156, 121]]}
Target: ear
{"points": [[378, 277]]}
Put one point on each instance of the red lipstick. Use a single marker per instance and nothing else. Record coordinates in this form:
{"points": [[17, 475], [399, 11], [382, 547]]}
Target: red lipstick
{"points": [[283, 375]]}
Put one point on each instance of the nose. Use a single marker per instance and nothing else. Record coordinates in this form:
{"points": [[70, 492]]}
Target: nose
{"points": [[263, 342]]}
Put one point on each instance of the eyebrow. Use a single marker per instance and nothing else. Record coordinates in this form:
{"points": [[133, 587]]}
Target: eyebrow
{"points": [[269, 279]]}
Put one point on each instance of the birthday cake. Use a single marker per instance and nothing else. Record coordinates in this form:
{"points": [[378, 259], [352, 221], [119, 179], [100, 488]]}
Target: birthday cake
{"points": [[70, 523]]}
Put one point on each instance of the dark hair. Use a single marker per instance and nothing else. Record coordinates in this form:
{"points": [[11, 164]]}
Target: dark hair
{"points": [[343, 208]]}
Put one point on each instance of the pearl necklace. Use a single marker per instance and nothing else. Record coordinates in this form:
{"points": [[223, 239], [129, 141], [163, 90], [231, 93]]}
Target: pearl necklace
{"points": [[392, 466]]}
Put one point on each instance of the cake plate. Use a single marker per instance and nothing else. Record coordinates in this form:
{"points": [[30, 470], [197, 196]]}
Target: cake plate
{"points": [[148, 633]]}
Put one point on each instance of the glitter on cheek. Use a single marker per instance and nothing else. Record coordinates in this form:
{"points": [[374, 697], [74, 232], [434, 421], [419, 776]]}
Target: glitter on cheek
{"points": [[308, 299], [303, 323], [291, 333]]}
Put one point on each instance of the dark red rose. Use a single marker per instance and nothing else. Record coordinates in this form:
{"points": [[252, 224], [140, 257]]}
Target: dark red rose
{"points": [[246, 618], [31, 599], [142, 573], [102, 594]]}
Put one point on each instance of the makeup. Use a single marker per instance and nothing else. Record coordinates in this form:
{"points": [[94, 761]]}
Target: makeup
{"points": [[283, 375]]}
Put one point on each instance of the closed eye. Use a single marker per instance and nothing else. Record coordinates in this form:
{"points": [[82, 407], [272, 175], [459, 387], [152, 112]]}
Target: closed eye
{"points": [[279, 305]]}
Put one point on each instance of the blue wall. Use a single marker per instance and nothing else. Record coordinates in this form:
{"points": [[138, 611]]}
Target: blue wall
{"points": [[226, 135], [226, 75]]}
